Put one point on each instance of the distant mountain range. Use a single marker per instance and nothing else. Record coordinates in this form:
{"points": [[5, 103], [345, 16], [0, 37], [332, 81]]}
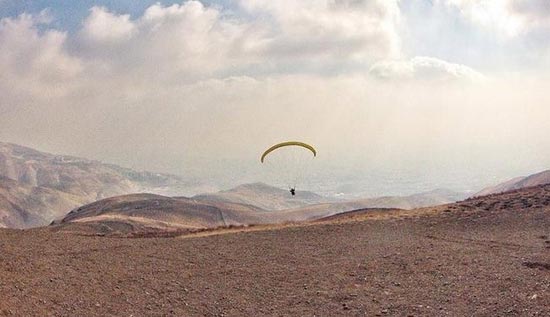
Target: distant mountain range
{"points": [[265, 197], [426, 199], [37, 187], [517, 183], [271, 199]]}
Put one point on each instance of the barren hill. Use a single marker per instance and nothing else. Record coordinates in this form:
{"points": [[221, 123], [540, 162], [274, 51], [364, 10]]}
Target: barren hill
{"points": [[488, 256], [517, 183], [37, 187], [147, 213]]}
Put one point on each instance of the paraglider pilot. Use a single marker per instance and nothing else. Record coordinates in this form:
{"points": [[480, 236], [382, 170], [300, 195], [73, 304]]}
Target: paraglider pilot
{"points": [[293, 191]]}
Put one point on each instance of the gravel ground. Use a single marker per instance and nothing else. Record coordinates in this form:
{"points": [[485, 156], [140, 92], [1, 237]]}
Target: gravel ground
{"points": [[485, 257]]}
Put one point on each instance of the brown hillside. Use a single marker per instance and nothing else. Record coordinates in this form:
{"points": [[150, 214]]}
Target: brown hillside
{"points": [[488, 256], [141, 213]]}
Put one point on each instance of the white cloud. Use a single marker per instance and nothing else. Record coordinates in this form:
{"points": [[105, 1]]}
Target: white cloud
{"points": [[190, 41], [184, 43], [187, 42], [176, 43], [509, 18], [103, 26], [32, 62], [359, 30], [424, 68]]}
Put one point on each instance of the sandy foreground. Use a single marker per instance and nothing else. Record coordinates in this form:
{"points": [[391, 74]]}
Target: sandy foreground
{"points": [[486, 260]]}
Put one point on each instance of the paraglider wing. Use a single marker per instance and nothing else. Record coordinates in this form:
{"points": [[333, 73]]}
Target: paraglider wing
{"points": [[289, 143], [288, 162]]}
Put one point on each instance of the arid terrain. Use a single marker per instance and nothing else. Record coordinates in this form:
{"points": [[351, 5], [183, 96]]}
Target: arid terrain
{"points": [[486, 256]]}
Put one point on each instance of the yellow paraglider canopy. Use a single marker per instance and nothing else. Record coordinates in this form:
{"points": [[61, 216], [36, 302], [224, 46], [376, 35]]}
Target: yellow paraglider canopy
{"points": [[289, 143]]}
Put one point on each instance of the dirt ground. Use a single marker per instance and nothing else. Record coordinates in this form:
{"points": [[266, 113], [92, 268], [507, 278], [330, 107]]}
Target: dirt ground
{"points": [[484, 257]]}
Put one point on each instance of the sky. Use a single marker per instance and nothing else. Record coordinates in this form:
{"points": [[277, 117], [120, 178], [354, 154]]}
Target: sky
{"points": [[397, 96]]}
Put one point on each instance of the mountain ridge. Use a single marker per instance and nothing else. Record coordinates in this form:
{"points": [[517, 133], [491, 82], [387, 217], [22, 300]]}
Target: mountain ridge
{"points": [[39, 187], [540, 178]]}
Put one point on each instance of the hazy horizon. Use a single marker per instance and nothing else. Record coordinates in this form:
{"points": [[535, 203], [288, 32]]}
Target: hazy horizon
{"points": [[397, 96]]}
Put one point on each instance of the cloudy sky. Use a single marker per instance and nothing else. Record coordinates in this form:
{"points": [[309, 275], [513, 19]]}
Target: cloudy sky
{"points": [[398, 96]]}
